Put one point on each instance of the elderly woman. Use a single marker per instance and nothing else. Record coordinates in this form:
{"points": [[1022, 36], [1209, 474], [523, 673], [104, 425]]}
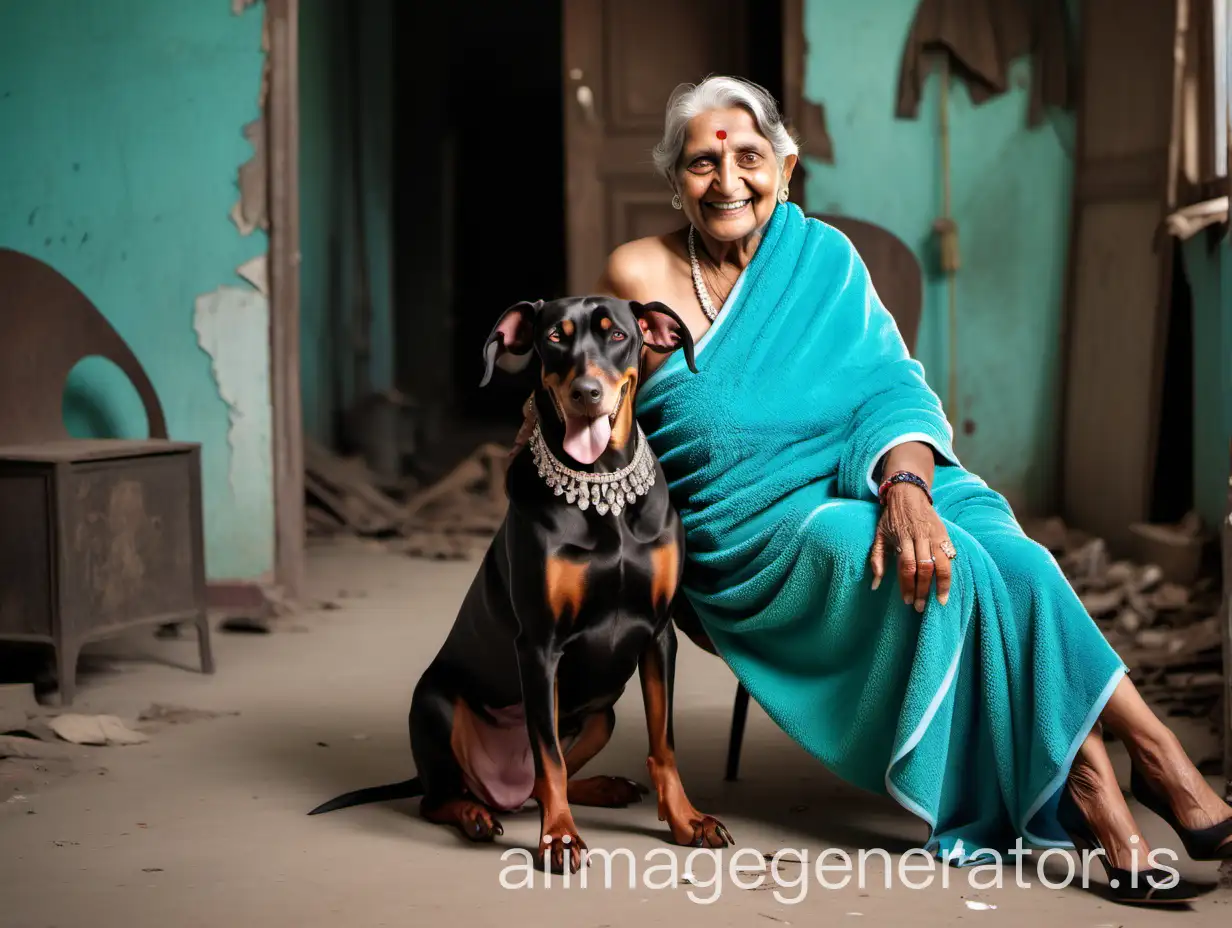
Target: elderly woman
{"points": [[809, 459]]}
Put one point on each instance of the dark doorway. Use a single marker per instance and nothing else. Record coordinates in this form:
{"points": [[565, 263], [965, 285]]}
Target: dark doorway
{"points": [[480, 166], [489, 161], [1173, 491], [509, 183]]}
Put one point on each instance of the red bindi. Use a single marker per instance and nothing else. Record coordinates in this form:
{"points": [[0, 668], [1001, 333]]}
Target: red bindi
{"points": [[721, 134]]}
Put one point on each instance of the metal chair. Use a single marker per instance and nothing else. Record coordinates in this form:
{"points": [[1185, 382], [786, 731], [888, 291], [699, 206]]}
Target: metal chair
{"points": [[899, 280], [98, 535]]}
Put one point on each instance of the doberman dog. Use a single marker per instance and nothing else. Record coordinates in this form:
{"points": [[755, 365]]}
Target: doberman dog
{"points": [[573, 595]]}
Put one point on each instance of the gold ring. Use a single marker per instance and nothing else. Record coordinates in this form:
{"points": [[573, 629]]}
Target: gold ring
{"points": [[949, 550]]}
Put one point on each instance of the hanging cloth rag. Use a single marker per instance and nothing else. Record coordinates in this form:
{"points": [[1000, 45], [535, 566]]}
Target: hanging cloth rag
{"points": [[982, 37]]}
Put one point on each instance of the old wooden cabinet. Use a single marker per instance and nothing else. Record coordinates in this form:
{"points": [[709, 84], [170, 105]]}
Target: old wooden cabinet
{"points": [[97, 537]]}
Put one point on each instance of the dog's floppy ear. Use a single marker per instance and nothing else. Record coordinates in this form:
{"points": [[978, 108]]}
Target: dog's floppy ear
{"points": [[511, 340], [663, 331]]}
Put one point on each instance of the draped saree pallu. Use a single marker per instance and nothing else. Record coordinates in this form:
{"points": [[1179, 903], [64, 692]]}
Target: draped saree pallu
{"points": [[970, 714]]}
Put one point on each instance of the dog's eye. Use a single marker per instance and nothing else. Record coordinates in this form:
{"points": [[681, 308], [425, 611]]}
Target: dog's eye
{"points": [[618, 336], [554, 335]]}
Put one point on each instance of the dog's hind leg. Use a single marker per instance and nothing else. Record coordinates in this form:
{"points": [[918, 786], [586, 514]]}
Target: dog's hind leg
{"points": [[606, 792], [445, 800]]}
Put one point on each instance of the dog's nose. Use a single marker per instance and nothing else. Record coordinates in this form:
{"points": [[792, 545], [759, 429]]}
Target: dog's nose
{"points": [[586, 391]]}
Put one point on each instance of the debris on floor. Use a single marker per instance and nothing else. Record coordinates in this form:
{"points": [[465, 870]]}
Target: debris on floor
{"points": [[160, 714], [260, 620], [457, 516], [27, 766], [29, 748], [32, 725], [245, 624], [36, 733], [95, 729], [979, 906], [344, 495], [32, 755], [1162, 618], [451, 519]]}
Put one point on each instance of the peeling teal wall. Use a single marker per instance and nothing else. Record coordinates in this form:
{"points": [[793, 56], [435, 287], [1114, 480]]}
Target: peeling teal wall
{"points": [[1206, 268], [1010, 195], [1209, 271], [120, 137], [322, 183]]}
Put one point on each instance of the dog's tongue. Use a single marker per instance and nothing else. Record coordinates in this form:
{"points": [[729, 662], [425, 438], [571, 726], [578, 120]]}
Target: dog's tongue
{"points": [[586, 439]]}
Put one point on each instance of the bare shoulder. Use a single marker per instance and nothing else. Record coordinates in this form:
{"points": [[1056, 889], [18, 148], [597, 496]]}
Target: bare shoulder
{"points": [[637, 270]]}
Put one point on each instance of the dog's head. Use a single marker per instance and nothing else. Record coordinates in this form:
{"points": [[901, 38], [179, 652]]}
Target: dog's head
{"points": [[589, 348]]}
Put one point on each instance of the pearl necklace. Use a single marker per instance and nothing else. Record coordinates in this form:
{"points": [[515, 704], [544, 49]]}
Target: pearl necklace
{"points": [[703, 296], [611, 491]]}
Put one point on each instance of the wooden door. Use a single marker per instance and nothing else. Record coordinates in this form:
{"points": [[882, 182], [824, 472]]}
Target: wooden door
{"points": [[1119, 278], [622, 58]]}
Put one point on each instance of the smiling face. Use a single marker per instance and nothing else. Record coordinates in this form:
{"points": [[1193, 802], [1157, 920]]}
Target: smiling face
{"points": [[589, 350], [728, 176]]}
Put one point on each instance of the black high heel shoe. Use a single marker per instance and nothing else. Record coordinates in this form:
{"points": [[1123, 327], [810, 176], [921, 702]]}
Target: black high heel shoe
{"points": [[1200, 843], [1151, 886]]}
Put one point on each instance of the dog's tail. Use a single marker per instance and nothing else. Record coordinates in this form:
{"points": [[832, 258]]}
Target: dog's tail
{"points": [[407, 789]]}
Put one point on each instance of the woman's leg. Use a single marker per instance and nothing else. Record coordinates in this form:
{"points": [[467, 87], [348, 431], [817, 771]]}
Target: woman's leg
{"points": [[1093, 784], [1157, 753]]}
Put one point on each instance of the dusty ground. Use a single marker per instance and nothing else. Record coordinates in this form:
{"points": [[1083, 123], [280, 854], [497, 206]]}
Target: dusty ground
{"points": [[205, 825]]}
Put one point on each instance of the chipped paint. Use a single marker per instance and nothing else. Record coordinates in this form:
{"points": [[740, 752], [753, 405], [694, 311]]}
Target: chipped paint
{"points": [[154, 206], [256, 272], [232, 326], [815, 141], [249, 212]]}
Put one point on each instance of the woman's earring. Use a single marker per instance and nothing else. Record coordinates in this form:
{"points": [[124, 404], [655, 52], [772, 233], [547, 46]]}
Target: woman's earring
{"points": [[784, 194], [676, 204]]}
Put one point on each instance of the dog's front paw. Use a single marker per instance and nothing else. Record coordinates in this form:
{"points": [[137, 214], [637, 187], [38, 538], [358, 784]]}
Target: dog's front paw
{"points": [[700, 830], [562, 843]]}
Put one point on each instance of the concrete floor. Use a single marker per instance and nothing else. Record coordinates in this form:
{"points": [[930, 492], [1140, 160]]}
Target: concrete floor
{"points": [[204, 825]]}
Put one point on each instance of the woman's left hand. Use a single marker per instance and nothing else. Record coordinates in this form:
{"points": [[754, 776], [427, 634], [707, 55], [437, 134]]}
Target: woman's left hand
{"points": [[910, 528]]}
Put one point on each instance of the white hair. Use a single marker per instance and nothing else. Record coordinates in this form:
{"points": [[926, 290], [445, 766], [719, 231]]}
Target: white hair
{"points": [[718, 93]]}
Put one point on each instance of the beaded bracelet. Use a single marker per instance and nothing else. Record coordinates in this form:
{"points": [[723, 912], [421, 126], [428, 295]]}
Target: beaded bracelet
{"points": [[903, 476]]}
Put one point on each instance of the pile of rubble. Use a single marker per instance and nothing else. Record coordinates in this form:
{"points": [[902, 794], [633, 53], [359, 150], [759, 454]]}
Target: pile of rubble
{"points": [[453, 518], [41, 744], [1163, 621]]}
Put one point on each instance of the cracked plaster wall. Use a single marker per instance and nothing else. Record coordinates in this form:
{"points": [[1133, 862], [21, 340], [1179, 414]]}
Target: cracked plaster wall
{"points": [[1011, 187], [124, 129]]}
